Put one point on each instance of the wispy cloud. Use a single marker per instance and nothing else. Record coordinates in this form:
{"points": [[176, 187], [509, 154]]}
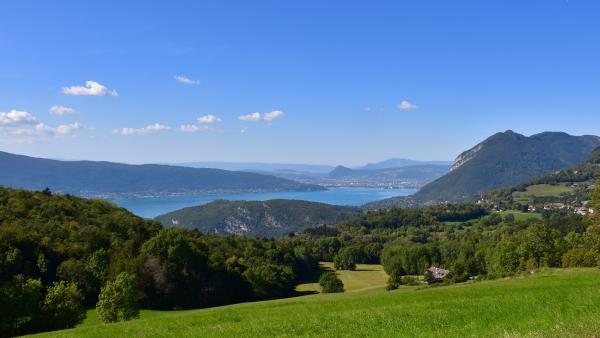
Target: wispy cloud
{"points": [[268, 117], [153, 128], [250, 117], [61, 110], [186, 80], [208, 119], [243, 130], [189, 128], [91, 88], [16, 118], [64, 129], [405, 105]]}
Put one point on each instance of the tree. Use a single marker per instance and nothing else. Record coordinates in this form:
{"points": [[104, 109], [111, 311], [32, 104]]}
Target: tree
{"points": [[330, 282], [20, 301], [270, 280], [118, 300], [63, 306], [345, 259]]}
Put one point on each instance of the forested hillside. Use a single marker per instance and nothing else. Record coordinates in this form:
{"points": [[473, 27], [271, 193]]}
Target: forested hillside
{"points": [[502, 160], [106, 179], [56, 252], [273, 218]]}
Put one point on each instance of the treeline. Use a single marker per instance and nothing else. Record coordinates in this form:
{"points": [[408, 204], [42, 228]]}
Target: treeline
{"points": [[409, 241], [58, 252]]}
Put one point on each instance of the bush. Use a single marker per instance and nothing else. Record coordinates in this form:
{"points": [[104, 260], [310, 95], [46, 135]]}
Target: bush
{"points": [[118, 300], [63, 306], [330, 282], [578, 257], [410, 280]]}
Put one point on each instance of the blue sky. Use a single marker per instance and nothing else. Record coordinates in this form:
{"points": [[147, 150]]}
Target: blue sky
{"points": [[334, 82]]}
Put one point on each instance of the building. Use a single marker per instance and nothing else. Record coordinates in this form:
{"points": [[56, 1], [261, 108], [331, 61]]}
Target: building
{"points": [[438, 273]]}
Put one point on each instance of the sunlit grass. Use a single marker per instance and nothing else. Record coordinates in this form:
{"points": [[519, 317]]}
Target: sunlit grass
{"points": [[551, 303]]}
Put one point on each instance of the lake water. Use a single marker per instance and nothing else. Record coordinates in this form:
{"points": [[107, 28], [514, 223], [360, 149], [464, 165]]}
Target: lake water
{"points": [[153, 206]]}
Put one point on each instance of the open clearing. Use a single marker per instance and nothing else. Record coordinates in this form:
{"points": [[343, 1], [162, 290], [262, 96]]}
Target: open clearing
{"points": [[551, 303], [366, 276], [541, 190]]}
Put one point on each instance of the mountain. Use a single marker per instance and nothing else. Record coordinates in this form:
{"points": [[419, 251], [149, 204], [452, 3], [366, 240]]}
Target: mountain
{"points": [[568, 186], [401, 162], [273, 218], [408, 173], [262, 167], [501, 160], [107, 179]]}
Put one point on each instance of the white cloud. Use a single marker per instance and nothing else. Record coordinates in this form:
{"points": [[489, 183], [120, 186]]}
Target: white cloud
{"points": [[189, 128], [16, 118], [405, 105], [91, 88], [186, 80], [268, 117], [64, 129], [153, 128], [250, 117], [273, 115], [61, 110], [208, 119]]}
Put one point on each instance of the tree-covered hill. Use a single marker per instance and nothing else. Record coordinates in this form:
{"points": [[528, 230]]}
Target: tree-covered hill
{"points": [[58, 251], [273, 218], [106, 179], [504, 159]]}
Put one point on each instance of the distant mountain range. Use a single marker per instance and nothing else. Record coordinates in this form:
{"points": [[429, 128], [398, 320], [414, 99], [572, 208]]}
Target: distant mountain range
{"points": [[257, 166], [504, 159], [401, 162], [274, 218], [306, 168], [107, 179]]}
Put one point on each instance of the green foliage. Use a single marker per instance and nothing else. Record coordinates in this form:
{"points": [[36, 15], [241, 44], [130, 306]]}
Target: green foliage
{"points": [[345, 259], [579, 257], [20, 306], [270, 280], [63, 306], [330, 282], [118, 300]]}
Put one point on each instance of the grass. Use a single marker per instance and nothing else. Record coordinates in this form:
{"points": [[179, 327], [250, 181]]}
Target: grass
{"points": [[557, 303], [541, 190], [366, 276], [519, 215]]}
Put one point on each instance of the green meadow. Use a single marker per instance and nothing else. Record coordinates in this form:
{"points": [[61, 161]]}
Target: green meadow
{"points": [[541, 190], [554, 302]]}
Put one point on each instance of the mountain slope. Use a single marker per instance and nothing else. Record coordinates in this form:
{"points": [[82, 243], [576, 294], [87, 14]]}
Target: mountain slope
{"points": [[503, 159], [274, 218], [89, 178]]}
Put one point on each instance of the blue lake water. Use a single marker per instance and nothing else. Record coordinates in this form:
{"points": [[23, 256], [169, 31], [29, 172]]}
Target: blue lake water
{"points": [[153, 206]]}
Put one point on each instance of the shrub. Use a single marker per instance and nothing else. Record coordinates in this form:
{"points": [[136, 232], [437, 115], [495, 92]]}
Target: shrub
{"points": [[63, 306], [410, 280], [578, 257], [118, 300], [330, 282]]}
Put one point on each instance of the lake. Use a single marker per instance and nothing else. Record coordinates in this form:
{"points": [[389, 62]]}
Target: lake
{"points": [[151, 207]]}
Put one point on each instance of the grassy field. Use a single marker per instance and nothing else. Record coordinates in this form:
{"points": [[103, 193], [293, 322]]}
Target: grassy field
{"points": [[519, 215], [540, 190], [366, 276], [552, 303]]}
